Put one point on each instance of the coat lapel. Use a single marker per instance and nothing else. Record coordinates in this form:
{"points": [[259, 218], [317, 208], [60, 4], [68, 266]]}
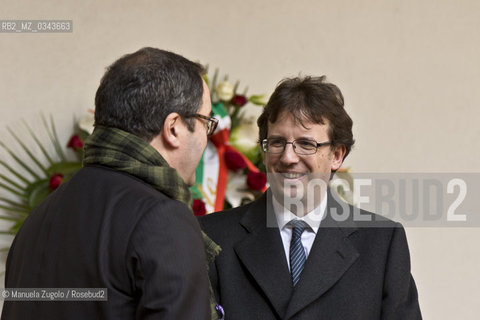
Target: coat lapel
{"points": [[331, 256], [262, 253]]}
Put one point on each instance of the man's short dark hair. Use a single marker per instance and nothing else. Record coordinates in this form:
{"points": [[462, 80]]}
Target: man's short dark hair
{"points": [[310, 99], [141, 89]]}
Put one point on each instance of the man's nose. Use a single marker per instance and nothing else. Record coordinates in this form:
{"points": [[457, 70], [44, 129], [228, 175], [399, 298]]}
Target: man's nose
{"points": [[289, 156]]}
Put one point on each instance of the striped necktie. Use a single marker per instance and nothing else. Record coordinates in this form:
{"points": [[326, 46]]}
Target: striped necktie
{"points": [[297, 252]]}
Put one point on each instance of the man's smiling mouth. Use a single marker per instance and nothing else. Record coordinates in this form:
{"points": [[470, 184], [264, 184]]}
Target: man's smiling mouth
{"points": [[292, 175]]}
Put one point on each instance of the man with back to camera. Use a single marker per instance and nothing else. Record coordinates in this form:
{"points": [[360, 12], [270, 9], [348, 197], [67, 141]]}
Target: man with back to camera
{"points": [[124, 221], [298, 252]]}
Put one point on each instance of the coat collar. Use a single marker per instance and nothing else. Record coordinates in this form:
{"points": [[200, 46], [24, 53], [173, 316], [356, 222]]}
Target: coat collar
{"points": [[262, 253]]}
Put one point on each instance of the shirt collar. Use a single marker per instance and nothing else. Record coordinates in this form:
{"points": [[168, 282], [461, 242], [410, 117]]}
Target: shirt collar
{"points": [[313, 218]]}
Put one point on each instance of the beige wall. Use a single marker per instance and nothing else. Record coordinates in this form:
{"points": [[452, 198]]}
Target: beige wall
{"points": [[409, 70]]}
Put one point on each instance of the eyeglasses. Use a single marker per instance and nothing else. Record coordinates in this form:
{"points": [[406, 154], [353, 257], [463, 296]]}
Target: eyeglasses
{"points": [[211, 122], [300, 146]]}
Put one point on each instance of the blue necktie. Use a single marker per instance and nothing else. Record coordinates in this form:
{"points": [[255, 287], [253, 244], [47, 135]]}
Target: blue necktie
{"points": [[297, 252]]}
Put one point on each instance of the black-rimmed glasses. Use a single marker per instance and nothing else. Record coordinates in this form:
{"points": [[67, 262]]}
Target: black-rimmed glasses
{"points": [[300, 146], [211, 122]]}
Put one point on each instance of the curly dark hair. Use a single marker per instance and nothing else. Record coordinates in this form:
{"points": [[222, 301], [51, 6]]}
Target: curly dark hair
{"points": [[310, 99]]}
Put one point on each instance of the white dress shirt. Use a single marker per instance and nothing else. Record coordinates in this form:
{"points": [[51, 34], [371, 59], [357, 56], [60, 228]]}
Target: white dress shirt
{"points": [[313, 219]]}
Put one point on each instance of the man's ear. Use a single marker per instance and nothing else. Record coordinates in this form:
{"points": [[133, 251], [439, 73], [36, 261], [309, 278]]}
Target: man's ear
{"points": [[172, 130], [337, 156]]}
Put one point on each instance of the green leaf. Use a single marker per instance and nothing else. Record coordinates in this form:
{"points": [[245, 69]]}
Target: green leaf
{"points": [[255, 156], [235, 87], [83, 134], [57, 142], [21, 212], [214, 84], [14, 172], [15, 192], [37, 192], [14, 229], [10, 219], [12, 183], [258, 99], [29, 153], [18, 205], [20, 162], [39, 144], [52, 135], [236, 118], [205, 77], [65, 168], [12, 233]]}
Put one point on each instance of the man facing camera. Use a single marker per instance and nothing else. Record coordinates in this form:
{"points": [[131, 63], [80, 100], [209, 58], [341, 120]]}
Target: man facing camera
{"points": [[298, 252], [122, 226]]}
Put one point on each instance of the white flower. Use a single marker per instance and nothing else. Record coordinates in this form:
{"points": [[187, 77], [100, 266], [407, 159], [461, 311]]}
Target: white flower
{"points": [[224, 91], [86, 123], [237, 189], [342, 184], [245, 136]]}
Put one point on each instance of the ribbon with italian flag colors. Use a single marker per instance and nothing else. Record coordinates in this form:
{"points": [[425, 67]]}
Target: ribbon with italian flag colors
{"points": [[212, 171]]}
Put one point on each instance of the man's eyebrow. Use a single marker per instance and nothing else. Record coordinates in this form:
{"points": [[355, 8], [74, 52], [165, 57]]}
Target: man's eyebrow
{"points": [[298, 138]]}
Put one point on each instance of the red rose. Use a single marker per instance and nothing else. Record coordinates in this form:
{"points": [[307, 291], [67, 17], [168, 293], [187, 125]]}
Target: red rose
{"points": [[75, 142], [55, 181], [199, 207], [239, 100], [234, 161], [256, 180]]}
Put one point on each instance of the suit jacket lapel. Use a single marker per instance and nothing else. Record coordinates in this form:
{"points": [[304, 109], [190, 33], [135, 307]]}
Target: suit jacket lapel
{"points": [[263, 255], [330, 257]]}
